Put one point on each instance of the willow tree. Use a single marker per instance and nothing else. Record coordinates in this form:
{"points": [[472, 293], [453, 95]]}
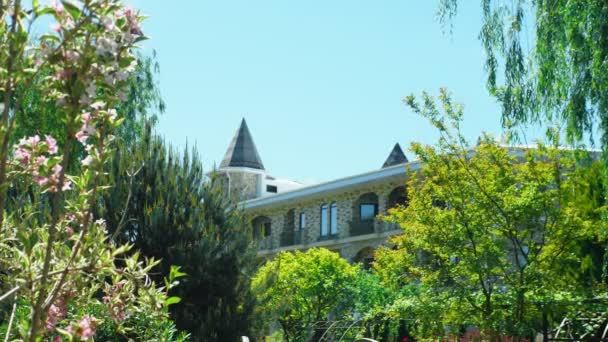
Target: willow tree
{"points": [[547, 59]]}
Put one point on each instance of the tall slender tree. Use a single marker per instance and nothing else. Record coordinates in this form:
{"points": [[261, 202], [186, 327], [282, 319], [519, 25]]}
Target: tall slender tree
{"points": [[178, 214]]}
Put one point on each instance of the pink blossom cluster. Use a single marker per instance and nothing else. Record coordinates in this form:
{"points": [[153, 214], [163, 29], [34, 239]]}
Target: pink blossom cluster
{"points": [[85, 328], [56, 312], [112, 43], [64, 20], [116, 301], [32, 154], [88, 129]]}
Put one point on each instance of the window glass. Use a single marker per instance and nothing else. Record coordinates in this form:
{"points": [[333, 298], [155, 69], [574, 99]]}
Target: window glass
{"points": [[271, 188], [324, 226], [367, 211], [302, 220], [266, 228], [333, 228]]}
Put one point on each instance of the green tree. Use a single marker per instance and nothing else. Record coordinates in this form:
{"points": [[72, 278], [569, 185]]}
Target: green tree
{"points": [[174, 212], [300, 289], [547, 60], [489, 230]]}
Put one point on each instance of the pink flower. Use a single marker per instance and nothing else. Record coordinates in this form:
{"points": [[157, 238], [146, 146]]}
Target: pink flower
{"points": [[32, 141], [42, 181], [67, 185], [23, 155], [51, 144], [87, 161], [87, 327], [82, 137], [58, 7], [108, 23], [41, 160], [56, 311], [85, 118]]}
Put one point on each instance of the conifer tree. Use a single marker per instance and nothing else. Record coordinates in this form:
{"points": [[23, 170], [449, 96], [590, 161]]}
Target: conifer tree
{"points": [[180, 215]]}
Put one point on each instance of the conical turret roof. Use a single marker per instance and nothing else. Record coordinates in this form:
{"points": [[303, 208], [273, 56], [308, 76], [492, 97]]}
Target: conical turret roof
{"points": [[241, 151], [396, 157]]}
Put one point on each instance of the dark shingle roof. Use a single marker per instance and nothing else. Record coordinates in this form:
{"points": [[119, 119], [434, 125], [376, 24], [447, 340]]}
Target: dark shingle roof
{"points": [[241, 151], [396, 157]]}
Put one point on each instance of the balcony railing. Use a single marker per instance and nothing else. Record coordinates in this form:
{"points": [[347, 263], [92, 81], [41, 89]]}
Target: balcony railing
{"points": [[370, 227], [361, 227], [265, 243], [291, 237]]}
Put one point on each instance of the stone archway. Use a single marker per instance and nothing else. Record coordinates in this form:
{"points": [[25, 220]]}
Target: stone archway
{"points": [[397, 197], [365, 256]]}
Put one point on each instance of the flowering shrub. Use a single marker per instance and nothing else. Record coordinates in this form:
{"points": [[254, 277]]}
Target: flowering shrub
{"points": [[56, 257]]}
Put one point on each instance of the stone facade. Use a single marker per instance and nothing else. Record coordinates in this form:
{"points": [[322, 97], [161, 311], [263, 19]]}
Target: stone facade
{"points": [[240, 184], [353, 235], [274, 205]]}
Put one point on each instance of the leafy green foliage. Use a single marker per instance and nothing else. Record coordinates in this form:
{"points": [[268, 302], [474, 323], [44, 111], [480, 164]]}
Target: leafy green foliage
{"points": [[176, 213], [547, 60], [491, 231], [300, 289]]}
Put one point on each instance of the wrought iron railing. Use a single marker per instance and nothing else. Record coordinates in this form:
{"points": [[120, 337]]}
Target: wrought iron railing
{"points": [[291, 237], [265, 243], [361, 227]]}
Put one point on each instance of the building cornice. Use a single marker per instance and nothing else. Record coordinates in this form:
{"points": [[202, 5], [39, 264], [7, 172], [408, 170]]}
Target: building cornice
{"points": [[339, 185]]}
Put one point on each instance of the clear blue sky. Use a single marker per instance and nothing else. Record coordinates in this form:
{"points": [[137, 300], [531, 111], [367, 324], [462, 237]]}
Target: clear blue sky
{"points": [[319, 82]]}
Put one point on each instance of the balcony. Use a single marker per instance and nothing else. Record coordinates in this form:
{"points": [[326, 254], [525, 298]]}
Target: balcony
{"points": [[371, 227], [362, 228], [265, 243], [291, 237]]}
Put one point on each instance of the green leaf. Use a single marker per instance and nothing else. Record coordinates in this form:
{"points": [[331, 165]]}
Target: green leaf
{"points": [[74, 11], [172, 300]]}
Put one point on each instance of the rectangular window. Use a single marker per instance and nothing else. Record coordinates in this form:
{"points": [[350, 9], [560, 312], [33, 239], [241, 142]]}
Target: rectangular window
{"points": [[266, 226], [302, 220], [271, 188], [368, 211], [333, 225], [324, 225]]}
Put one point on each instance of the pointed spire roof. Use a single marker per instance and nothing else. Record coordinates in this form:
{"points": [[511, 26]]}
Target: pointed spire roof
{"points": [[396, 157], [241, 151]]}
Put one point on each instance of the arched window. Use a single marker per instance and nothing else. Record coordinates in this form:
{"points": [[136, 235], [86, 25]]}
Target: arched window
{"points": [[302, 220], [324, 219], [333, 223], [261, 227], [367, 207], [397, 197]]}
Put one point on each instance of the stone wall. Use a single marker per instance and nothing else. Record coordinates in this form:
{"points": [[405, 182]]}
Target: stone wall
{"points": [[347, 212], [242, 185]]}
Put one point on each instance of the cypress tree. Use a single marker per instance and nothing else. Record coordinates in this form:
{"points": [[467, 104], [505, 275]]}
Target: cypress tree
{"points": [[176, 213]]}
